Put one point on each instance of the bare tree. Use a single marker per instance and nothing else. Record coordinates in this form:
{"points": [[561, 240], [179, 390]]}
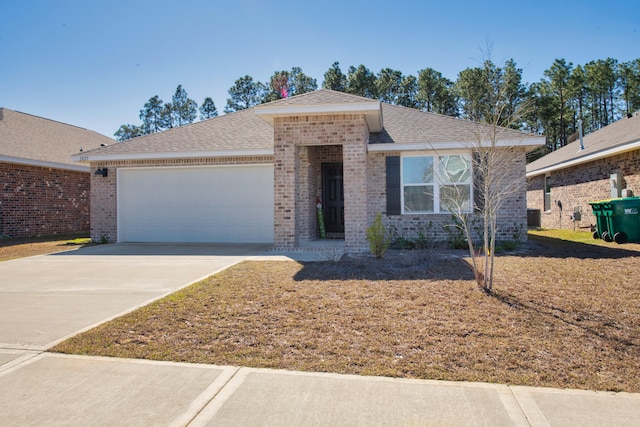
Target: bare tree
{"points": [[498, 170]]}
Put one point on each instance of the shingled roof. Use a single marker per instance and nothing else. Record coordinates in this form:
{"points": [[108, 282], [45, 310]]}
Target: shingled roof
{"points": [[250, 131], [322, 96], [239, 132], [618, 137], [404, 125], [29, 139]]}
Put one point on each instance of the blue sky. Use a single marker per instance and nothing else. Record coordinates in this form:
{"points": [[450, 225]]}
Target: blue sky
{"points": [[95, 63]]}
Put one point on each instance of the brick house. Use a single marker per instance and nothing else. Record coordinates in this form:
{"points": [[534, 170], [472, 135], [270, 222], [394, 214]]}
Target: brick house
{"points": [[257, 175], [42, 190], [565, 181]]}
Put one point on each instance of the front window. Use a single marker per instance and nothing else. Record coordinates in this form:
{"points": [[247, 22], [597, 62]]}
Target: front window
{"points": [[436, 184]]}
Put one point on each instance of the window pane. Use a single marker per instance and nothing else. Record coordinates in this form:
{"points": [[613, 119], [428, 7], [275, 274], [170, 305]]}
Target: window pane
{"points": [[454, 169], [417, 170], [455, 198], [418, 198]]}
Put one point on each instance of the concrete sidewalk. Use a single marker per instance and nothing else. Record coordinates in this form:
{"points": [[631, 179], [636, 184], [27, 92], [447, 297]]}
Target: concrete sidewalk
{"points": [[54, 389]]}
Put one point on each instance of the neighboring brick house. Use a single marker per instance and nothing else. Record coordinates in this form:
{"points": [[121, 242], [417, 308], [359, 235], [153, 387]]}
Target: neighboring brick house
{"points": [[257, 175], [565, 181], [42, 190]]}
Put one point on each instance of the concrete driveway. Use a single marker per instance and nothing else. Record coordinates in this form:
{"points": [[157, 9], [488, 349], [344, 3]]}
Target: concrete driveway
{"points": [[44, 299]]}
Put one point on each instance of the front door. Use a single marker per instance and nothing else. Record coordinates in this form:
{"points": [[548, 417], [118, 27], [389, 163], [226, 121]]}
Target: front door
{"points": [[333, 197]]}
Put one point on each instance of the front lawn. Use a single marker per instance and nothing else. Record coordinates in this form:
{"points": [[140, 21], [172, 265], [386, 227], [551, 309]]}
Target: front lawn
{"points": [[562, 315], [12, 248]]}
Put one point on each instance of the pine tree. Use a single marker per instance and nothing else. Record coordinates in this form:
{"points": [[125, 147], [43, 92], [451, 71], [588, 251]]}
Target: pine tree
{"points": [[184, 110], [334, 79], [152, 115], [245, 93], [208, 109]]}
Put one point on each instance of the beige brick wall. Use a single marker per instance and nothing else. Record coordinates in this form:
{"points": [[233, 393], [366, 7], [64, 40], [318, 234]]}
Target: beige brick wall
{"points": [[576, 186], [512, 219], [104, 197], [511, 222], [301, 145]]}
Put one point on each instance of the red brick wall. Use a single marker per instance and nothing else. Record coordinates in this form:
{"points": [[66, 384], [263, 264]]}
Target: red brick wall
{"points": [[575, 187], [38, 201]]}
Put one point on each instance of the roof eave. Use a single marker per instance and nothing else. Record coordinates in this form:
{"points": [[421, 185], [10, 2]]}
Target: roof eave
{"points": [[170, 155], [455, 145], [585, 159], [44, 164]]}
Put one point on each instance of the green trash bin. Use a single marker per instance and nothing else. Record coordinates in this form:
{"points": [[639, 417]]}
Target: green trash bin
{"points": [[602, 211], [624, 221]]}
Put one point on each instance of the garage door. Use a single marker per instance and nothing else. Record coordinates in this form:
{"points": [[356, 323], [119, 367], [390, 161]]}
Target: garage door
{"points": [[222, 204]]}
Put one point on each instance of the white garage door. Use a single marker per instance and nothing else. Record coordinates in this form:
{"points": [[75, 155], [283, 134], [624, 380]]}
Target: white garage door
{"points": [[222, 204]]}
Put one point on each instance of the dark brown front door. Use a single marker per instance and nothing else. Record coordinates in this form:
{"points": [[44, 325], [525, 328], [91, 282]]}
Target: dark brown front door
{"points": [[333, 197]]}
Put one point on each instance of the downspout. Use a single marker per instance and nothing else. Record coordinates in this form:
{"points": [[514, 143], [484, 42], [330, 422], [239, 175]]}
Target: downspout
{"points": [[580, 133]]}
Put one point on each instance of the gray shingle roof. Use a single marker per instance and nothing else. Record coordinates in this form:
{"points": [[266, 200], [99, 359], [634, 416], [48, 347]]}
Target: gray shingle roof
{"points": [[238, 131], [404, 125], [617, 135], [28, 137], [322, 96], [247, 131]]}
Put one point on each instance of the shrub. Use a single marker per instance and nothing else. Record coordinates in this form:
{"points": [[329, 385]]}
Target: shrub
{"points": [[379, 238], [455, 234], [424, 239]]}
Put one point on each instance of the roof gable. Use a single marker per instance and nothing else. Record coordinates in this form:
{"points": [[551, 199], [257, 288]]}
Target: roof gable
{"points": [[323, 101], [620, 136], [35, 140]]}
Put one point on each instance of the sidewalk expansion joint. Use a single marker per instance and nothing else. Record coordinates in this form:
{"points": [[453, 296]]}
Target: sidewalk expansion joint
{"points": [[530, 409], [205, 398], [231, 385]]}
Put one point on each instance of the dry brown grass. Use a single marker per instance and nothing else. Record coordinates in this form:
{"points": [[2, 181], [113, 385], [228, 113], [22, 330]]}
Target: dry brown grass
{"points": [[562, 315], [21, 248]]}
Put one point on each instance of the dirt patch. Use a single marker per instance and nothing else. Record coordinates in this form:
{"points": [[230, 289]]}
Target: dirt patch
{"points": [[20, 248]]}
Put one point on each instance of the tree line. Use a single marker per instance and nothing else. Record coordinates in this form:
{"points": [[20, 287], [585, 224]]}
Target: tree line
{"points": [[596, 93], [157, 116]]}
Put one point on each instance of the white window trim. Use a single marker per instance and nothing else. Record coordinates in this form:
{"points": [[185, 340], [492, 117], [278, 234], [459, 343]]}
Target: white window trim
{"points": [[436, 183]]}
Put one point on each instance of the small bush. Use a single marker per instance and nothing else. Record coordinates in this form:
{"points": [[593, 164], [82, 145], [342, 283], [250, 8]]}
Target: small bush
{"points": [[424, 239], [506, 245], [379, 238], [455, 235]]}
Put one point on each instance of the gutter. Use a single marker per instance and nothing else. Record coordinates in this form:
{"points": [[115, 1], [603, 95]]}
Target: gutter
{"points": [[455, 145], [43, 164], [86, 157]]}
